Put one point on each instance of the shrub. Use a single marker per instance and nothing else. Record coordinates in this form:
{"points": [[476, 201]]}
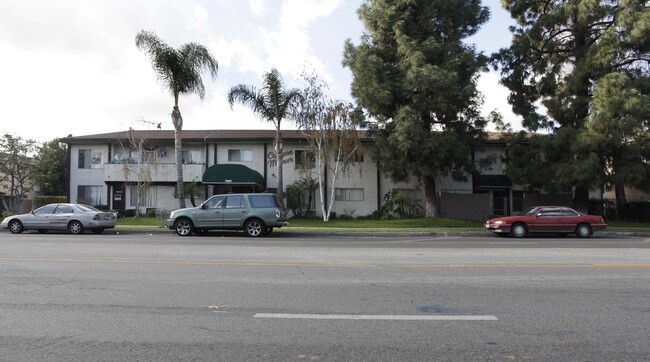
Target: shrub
{"points": [[129, 213], [398, 206], [44, 200]]}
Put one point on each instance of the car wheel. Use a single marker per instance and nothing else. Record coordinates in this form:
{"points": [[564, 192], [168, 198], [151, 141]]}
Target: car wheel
{"points": [[16, 227], [519, 230], [184, 227], [254, 227], [97, 231], [75, 227], [584, 231]]}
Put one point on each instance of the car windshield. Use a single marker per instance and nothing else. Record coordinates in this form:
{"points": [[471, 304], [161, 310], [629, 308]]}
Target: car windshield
{"points": [[530, 211]]}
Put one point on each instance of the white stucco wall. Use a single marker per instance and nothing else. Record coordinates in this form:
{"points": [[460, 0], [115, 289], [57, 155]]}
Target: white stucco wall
{"points": [[93, 176]]}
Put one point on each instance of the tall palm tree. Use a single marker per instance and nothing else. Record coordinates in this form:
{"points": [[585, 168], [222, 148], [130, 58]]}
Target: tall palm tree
{"points": [[273, 103], [179, 70]]}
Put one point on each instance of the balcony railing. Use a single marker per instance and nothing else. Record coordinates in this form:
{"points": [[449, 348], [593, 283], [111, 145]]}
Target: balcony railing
{"points": [[160, 172]]}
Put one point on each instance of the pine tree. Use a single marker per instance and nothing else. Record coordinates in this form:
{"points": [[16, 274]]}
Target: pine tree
{"points": [[559, 53], [417, 78]]}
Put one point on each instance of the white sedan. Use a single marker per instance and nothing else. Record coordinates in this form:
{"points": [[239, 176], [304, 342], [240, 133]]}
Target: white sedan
{"points": [[75, 218]]}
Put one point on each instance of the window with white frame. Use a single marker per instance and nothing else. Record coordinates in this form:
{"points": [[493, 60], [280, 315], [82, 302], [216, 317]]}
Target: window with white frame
{"points": [[240, 155], [342, 194], [146, 157], [147, 198], [85, 158], [192, 157], [90, 195]]}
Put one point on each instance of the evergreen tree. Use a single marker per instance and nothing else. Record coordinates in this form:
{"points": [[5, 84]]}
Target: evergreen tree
{"points": [[51, 168], [616, 138], [16, 171], [560, 51], [414, 75]]}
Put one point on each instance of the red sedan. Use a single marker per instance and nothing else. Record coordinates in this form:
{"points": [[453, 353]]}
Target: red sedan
{"points": [[547, 219]]}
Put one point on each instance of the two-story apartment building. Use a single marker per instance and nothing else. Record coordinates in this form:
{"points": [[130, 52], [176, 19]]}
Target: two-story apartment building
{"points": [[103, 172]]}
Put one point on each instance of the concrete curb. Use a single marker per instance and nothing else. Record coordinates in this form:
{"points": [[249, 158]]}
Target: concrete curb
{"points": [[434, 234]]}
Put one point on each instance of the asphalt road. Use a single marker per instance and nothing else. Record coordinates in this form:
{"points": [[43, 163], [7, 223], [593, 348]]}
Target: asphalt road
{"points": [[157, 296]]}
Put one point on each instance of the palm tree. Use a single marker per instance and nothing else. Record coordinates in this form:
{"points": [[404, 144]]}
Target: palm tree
{"points": [[179, 71], [273, 103]]}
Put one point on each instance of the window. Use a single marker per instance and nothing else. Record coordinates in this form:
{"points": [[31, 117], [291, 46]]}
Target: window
{"points": [[551, 212], [146, 157], [85, 158], [148, 197], [569, 212], [47, 209], [262, 201], [240, 155], [64, 209], [215, 202], [348, 194], [305, 159], [235, 202], [192, 157], [90, 195]]}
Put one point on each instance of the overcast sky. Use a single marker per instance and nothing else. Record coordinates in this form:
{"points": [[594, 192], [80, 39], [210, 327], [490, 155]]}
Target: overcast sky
{"points": [[71, 66]]}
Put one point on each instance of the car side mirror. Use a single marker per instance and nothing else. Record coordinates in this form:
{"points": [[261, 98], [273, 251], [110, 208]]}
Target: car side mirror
{"points": [[203, 206]]}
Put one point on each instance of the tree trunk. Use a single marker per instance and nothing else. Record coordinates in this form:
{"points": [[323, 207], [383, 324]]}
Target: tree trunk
{"points": [[177, 119], [430, 202], [621, 201], [279, 153]]}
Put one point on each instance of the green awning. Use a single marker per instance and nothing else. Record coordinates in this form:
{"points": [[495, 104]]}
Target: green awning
{"points": [[232, 173], [492, 181]]}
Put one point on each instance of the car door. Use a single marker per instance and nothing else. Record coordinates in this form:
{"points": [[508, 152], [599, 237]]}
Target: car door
{"points": [[60, 218], [234, 212], [209, 215], [40, 218], [548, 220], [570, 219]]}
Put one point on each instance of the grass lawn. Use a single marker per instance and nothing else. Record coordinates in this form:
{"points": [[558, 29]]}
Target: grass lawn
{"points": [[410, 225], [418, 224]]}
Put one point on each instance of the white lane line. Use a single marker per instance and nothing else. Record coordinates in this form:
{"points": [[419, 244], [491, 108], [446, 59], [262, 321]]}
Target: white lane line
{"points": [[380, 317]]}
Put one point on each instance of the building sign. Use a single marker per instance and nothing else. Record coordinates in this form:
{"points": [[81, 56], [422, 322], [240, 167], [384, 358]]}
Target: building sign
{"points": [[287, 158]]}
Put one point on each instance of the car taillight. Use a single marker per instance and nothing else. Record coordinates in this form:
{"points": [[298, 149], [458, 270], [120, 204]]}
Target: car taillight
{"points": [[277, 213]]}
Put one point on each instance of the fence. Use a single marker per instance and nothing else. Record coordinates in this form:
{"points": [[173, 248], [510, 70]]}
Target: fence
{"points": [[465, 206], [480, 207]]}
